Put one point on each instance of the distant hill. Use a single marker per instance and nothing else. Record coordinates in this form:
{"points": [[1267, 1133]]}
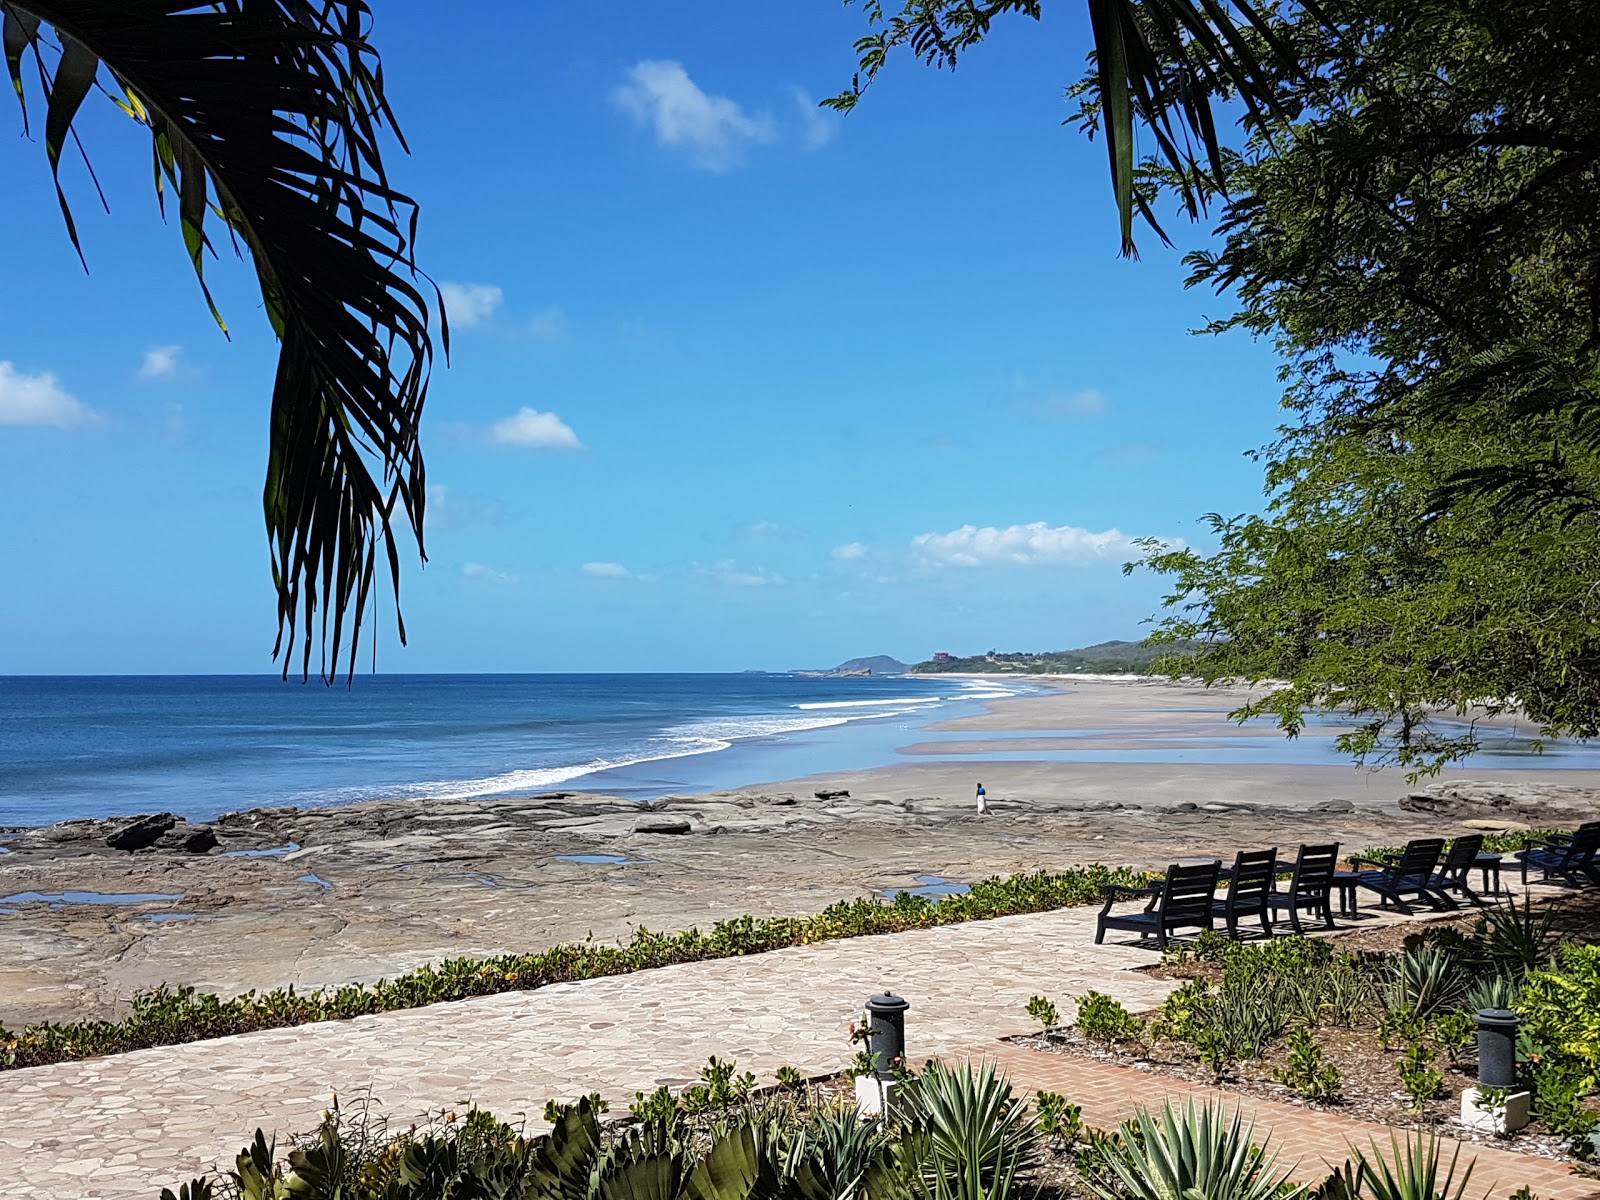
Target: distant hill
{"points": [[1105, 658], [878, 664]]}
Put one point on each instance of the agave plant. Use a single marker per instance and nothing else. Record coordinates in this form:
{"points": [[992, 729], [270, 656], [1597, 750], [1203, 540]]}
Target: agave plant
{"points": [[1427, 978], [1494, 991], [270, 115], [1411, 1171], [1201, 1152], [970, 1137], [1516, 937], [839, 1156]]}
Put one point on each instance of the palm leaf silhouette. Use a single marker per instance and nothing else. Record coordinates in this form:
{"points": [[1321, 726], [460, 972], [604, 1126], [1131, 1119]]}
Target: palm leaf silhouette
{"points": [[269, 115]]}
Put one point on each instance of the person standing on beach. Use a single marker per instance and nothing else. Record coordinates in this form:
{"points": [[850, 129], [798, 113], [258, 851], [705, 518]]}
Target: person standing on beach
{"points": [[983, 799]]}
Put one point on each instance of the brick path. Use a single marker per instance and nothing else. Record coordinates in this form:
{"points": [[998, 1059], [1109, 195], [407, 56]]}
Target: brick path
{"points": [[1308, 1143]]}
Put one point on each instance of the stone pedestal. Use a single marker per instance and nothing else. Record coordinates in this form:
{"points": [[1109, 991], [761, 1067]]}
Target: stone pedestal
{"points": [[876, 1097], [1502, 1116]]}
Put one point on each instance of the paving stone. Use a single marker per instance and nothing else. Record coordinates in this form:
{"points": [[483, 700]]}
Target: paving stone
{"points": [[198, 1104]]}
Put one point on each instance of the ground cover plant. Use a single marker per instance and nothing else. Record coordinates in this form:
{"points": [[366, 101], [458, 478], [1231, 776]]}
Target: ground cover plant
{"points": [[169, 1015], [962, 1133], [1384, 1030]]}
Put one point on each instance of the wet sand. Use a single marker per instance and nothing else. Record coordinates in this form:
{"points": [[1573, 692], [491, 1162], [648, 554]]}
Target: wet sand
{"points": [[377, 888]]}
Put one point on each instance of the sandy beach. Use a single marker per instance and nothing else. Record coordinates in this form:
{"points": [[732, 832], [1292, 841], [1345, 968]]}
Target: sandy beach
{"points": [[358, 892]]}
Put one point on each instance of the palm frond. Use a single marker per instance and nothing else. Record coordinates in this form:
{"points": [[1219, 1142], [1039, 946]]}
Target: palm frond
{"points": [[270, 114], [1134, 41]]}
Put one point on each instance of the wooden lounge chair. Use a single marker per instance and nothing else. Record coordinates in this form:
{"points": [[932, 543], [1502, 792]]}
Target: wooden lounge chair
{"points": [[1249, 884], [1309, 886], [1566, 856], [1181, 901], [1410, 875], [1465, 855]]}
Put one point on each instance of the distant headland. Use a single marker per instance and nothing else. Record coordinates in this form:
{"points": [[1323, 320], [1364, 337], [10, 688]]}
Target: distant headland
{"points": [[877, 664], [1103, 658]]}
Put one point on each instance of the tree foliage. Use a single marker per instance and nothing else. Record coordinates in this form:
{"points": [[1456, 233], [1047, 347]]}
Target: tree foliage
{"points": [[1420, 235], [270, 117], [1157, 64]]}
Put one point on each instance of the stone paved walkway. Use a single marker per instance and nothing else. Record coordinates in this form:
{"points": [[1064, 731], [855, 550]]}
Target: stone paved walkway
{"points": [[127, 1125], [1308, 1144]]}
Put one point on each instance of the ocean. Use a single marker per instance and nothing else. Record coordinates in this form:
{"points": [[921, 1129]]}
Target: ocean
{"points": [[81, 746]]}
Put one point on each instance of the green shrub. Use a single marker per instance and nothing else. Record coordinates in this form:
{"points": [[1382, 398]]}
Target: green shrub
{"points": [[1280, 958], [1057, 1118], [1401, 1024], [1102, 1018], [1418, 1075], [720, 1086], [1042, 1010], [1561, 1006], [1178, 1019], [1454, 1031], [1559, 1089], [1307, 1074], [660, 1107]]}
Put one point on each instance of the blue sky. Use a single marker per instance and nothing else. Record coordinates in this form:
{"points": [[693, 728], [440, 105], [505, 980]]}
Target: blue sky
{"points": [[736, 383]]}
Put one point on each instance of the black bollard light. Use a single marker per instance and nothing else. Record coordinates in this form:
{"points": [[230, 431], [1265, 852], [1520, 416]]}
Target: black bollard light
{"points": [[1497, 1047], [886, 1030]]}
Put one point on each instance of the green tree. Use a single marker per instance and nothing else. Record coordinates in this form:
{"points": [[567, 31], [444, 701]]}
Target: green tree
{"points": [[270, 117], [1157, 64], [1420, 235]]}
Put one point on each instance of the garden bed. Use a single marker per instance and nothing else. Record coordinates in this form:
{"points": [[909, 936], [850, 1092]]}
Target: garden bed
{"points": [[1374, 1024]]}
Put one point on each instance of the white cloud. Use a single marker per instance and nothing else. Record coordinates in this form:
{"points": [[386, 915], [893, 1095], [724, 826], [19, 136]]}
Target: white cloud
{"points": [[850, 552], [540, 430], [714, 130], [1090, 402], [476, 570], [160, 362], [771, 531], [470, 303], [1036, 544], [549, 326], [730, 573], [607, 570], [817, 126], [39, 400]]}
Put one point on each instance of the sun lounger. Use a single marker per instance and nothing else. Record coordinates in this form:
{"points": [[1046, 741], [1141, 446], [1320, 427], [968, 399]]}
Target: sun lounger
{"points": [[1464, 856], [1309, 886], [1181, 901], [1249, 884], [1410, 875], [1566, 856]]}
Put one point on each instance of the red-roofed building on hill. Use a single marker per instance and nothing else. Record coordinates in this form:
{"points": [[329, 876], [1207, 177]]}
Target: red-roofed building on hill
{"points": [[941, 656]]}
